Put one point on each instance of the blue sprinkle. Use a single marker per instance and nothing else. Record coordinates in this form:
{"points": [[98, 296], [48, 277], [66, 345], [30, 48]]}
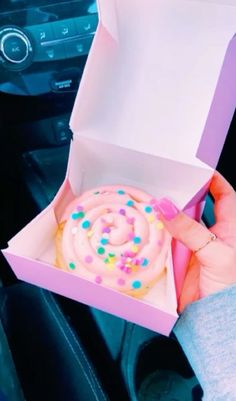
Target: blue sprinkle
{"points": [[137, 240], [136, 284], [145, 262], [121, 192], [148, 209], [104, 241], [130, 203], [75, 216], [86, 224]]}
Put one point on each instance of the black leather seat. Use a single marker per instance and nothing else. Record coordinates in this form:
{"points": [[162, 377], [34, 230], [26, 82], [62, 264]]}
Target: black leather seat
{"points": [[49, 358]]}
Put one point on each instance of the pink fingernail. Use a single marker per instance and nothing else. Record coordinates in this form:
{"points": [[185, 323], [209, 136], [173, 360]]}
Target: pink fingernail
{"points": [[167, 208]]}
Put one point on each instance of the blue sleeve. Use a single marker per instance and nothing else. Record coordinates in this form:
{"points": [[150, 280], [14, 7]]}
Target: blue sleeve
{"points": [[207, 333]]}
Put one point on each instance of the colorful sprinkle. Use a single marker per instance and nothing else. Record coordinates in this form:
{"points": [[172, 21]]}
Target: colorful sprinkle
{"points": [[86, 224], [88, 259], [90, 233], [106, 230], [130, 220], [122, 212], [104, 241], [72, 266], [135, 248], [131, 236], [144, 262], [100, 250], [151, 218], [75, 216], [98, 279], [136, 284], [106, 260], [148, 209], [111, 255], [96, 193], [74, 230], [80, 208], [121, 281], [110, 266], [137, 240], [121, 192], [160, 225], [130, 203]]}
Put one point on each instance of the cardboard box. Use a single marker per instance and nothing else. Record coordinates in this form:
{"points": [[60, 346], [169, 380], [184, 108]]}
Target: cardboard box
{"points": [[153, 110]]}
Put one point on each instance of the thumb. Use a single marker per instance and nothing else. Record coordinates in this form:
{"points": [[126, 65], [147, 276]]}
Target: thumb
{"points": [[188, 231]]}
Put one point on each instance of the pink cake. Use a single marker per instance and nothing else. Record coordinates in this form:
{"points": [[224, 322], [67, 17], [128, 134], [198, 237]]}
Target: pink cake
{"points": [[112, 236]]}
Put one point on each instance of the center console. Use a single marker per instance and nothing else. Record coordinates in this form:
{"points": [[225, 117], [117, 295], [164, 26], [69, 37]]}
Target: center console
{"points": [[43, 45]]}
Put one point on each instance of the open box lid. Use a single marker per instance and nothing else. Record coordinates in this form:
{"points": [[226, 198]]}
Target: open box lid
{"points": [[152, 74]]}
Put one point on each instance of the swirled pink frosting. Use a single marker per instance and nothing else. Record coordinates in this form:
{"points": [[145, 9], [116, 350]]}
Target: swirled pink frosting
{"points": [[112, 236]]}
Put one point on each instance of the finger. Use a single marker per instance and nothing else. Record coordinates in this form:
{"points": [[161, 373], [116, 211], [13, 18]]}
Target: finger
{"points": [[191, 233], [190, 291], [225, 199]]}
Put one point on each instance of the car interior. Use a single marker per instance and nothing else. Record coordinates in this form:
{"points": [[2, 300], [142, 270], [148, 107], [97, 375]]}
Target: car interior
{"points": [[53, 348]]}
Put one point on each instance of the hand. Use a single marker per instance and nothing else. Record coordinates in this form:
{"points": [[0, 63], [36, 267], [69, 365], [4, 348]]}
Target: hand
{"points": [[213, 263]]}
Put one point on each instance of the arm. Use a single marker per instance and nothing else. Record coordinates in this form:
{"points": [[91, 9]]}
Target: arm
{"points": [[207, 333]]}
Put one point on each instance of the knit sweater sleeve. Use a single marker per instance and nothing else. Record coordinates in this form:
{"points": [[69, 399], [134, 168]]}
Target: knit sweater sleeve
{"points": [[207, 333]]}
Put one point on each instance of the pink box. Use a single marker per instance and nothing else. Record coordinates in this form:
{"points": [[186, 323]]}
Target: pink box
{"points": [[153, 110]]}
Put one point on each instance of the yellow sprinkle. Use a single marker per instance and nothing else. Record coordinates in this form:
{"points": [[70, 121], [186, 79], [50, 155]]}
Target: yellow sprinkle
{"points": [[110, 266], [160, 225], [111, 259], [90, 233], [151, 218], [135, 248]]}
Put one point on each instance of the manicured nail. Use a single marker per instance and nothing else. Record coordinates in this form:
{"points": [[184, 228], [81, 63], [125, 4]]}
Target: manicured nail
{"points": [[167, 208]]}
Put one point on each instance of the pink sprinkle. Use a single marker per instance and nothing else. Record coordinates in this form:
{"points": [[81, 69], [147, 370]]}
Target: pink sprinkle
{"points": [[136, 261], [98, 279], [80, 208], [88, 259], [119, 264], [121, 281], [130, 220], [106, 230], [122, 212], [127, 270], [122, 267], [128, 254], [131, 236]]}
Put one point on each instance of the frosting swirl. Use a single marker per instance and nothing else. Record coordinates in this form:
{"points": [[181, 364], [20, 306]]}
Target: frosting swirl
{"points": [[112, 236]]}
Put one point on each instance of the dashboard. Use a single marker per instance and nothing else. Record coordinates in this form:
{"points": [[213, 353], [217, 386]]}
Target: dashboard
{"points": [[44, 45]]}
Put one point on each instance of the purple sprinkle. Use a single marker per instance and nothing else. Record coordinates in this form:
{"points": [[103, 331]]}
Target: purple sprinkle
{"points": [[98, 279], [130, 220], [88, 259], [122, 212], [127, 254], [106, 230], [80, 208]]}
